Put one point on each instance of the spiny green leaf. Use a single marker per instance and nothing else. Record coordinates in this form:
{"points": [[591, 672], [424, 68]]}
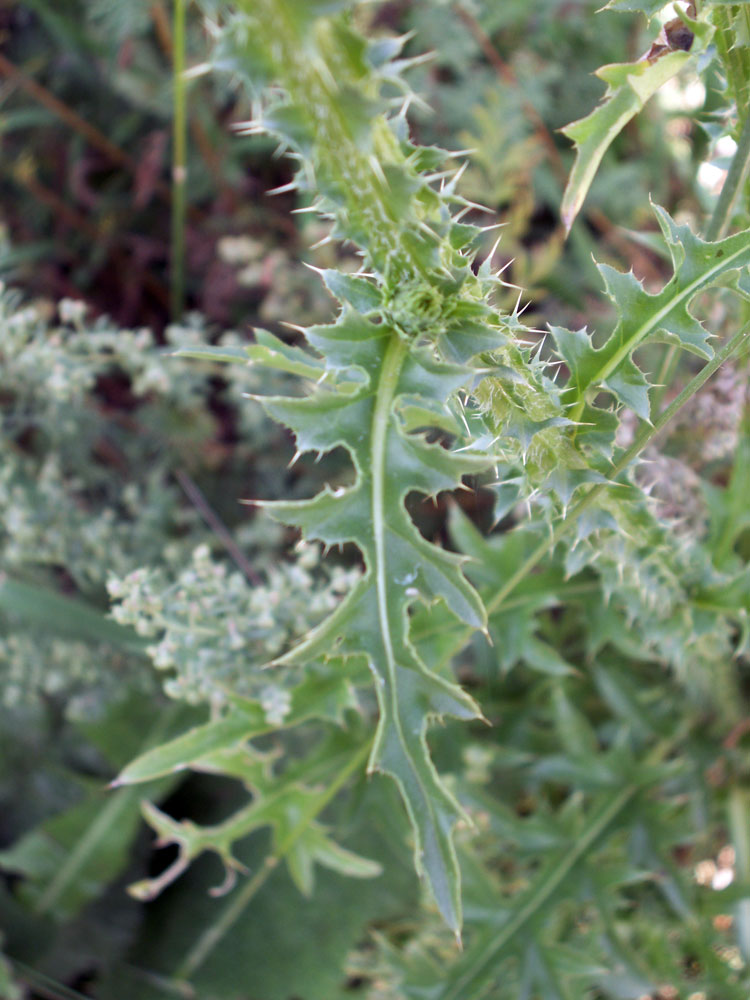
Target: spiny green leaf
{"points": [[267, 349], [274, 353], [179, 753], [403, 346], [401, 565], [360, 293], [226, 355], [284, 802], [664, 316], [629, 87], [317, 695]]}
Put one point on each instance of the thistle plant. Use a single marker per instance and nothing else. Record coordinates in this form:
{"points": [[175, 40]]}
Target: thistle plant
{"points": [[603, 637], [412, 323], [423, 382]]}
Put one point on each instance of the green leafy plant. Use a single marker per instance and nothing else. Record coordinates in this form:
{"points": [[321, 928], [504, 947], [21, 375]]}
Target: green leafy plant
{"points": [[600, 620], [412, 323]]}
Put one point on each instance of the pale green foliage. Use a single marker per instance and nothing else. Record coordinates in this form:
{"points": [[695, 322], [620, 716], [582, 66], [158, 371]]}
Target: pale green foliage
{"points": [[51, 429]]}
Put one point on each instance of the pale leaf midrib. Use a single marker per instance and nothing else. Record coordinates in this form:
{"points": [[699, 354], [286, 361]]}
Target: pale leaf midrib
{"points": [[392, 362]]}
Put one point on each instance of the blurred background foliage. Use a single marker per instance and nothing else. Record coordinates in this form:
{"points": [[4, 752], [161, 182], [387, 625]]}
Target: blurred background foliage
{"points": [[87, 102], [118, 456]]}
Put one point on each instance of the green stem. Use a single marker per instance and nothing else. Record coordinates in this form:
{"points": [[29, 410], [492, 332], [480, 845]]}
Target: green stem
{"points": [[211, 937], [666, 373], [643, 439], [739, 830], [734, 183], [179, 163]]}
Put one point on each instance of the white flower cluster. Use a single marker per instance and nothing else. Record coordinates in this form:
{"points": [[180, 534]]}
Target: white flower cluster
{"points": [[80, 677], [87, 488], [213, 631]]}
